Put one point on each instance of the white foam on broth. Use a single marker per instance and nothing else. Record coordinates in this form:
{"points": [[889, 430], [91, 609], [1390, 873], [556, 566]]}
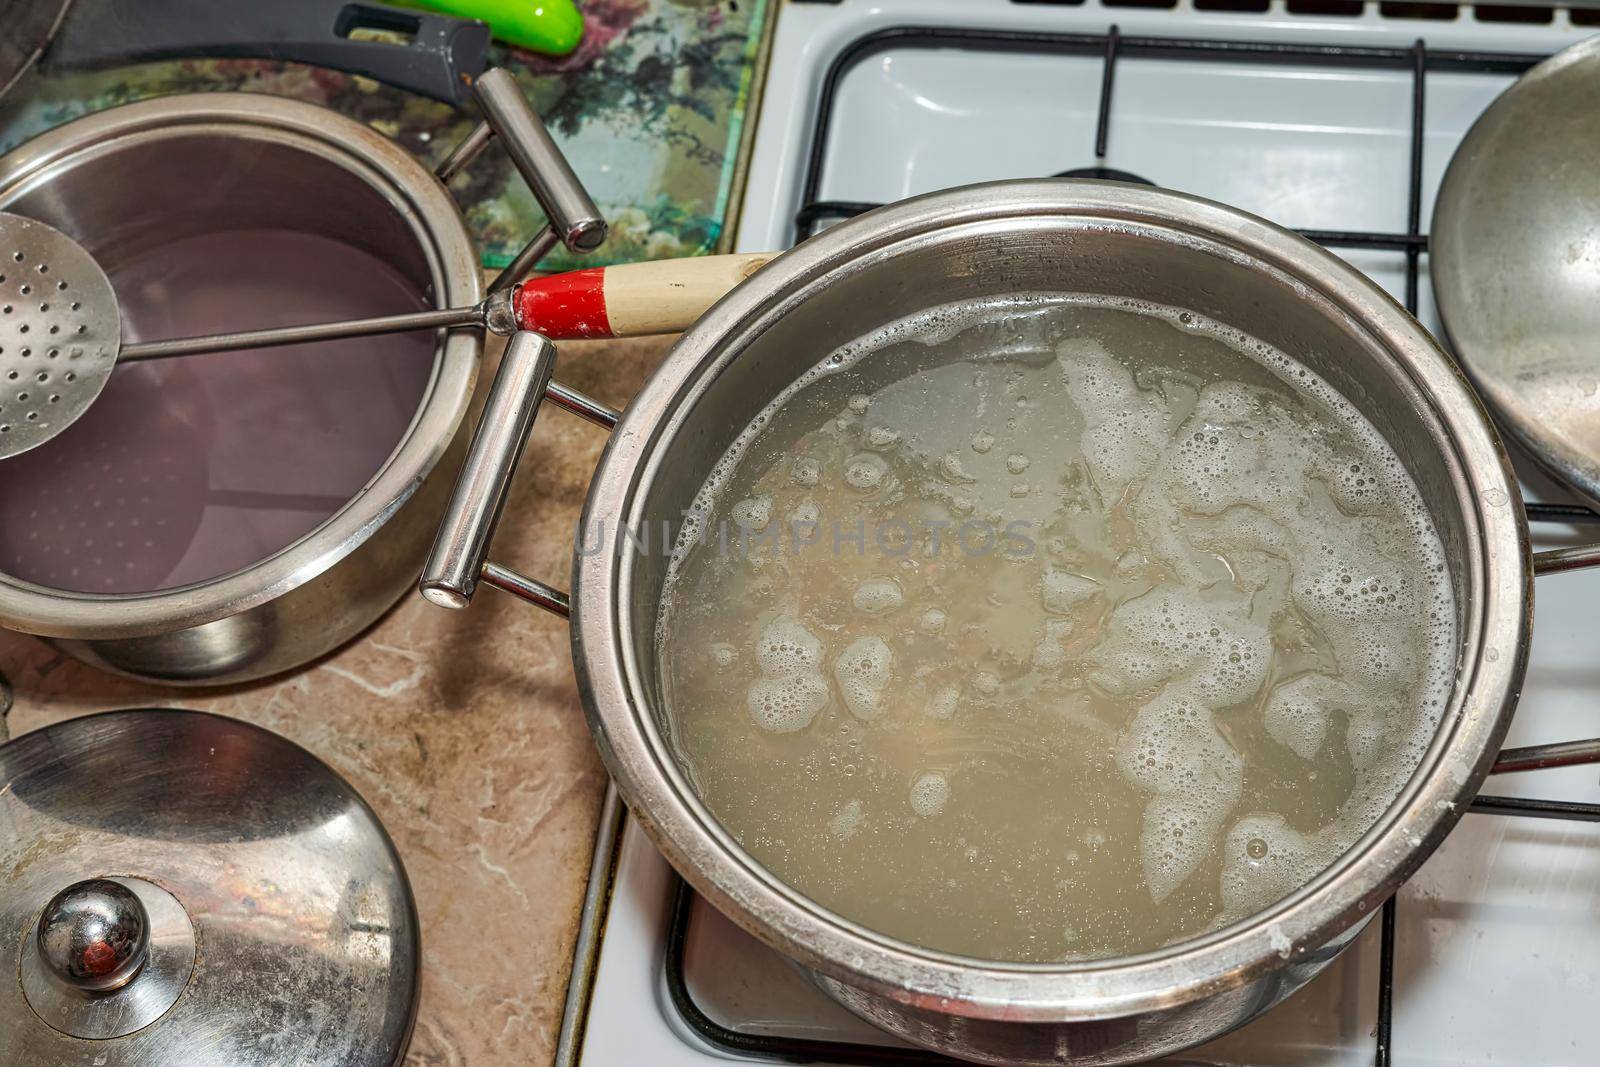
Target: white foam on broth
{"points": [[1223, 651]]}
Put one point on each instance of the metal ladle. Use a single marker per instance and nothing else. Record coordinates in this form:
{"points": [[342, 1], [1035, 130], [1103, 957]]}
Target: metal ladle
{"points": [[60, 330]]}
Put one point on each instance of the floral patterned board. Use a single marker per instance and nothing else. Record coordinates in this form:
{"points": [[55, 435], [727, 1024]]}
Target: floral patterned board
{"points": [[649, 109]]}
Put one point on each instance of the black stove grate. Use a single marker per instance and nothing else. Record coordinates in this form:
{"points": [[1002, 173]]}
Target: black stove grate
{"points": [[1112, 45]]}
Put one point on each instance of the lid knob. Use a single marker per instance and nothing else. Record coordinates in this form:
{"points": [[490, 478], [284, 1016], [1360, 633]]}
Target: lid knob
{"points": [[94, 935]]}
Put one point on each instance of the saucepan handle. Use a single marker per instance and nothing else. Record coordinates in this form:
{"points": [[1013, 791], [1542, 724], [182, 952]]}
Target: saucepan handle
{"points": [[1572, 558], [573, 218], [460, 556]]}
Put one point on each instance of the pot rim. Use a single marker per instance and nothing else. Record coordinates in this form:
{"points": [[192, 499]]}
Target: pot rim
{"points": [[1494, 582], [441, 233]]}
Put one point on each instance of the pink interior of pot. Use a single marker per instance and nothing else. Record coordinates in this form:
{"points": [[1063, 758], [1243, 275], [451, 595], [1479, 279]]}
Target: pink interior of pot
{"points": [[191, 468]]}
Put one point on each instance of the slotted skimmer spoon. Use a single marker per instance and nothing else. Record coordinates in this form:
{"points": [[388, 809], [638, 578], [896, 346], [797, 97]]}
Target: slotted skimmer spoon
{"points": [[61, 332]]}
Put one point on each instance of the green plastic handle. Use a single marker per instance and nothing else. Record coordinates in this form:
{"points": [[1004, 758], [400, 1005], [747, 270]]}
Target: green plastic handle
{"points": [[553, 27]]}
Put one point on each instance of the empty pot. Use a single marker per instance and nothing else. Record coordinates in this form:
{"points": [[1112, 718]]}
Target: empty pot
{"points": [[224, 517]]}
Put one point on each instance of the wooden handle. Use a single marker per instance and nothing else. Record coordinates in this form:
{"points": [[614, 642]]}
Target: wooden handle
{"points": [[632, 299]]}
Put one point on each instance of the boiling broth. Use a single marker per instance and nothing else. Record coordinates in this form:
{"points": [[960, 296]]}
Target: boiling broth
{"points": [[1054, 629]]}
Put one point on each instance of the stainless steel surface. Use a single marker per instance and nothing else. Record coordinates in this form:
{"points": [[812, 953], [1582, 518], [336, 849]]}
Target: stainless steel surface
{"points": [[573, 219], [29, 27], [1515, 261], [304, 946], [443, 318], [1571, 558], [1003, 238], [59, 333], [982, 241], [566, 204], [1538, 757], [462, 155], [94, 935], [122, 182], [165, 967], [535, 592], [47, 318], [494, 313], [527, 259], [456, 561], [582, 405], [460, 554]]}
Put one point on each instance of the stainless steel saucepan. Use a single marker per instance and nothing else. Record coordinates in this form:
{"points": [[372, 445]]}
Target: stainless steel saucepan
{"points": [[132, 179], [1107, 238]]}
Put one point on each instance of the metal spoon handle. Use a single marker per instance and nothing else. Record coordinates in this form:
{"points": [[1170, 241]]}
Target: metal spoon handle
{"points": [[628, 300], [294, 335]]}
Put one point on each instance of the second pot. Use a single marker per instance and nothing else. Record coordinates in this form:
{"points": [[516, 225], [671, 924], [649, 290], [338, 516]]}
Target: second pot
{"points": [[238, 174]]}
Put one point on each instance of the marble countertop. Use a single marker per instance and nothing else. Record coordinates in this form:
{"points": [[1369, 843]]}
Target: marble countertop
{"points": [[464, 732]]}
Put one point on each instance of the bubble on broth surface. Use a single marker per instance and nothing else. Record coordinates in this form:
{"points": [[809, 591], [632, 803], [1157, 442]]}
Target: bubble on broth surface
{"points": [[1265, 859], [787, 647], [865, 472], [1062, 591], [791, 689], [754, 513], [942, 704], [805, 513], [929, 794], [847, 821], [875, 596], [882, 437], [862, 672], [789, 703]]}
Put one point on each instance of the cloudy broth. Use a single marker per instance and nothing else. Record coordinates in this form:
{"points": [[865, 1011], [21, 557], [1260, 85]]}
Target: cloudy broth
{"points": [[1054, 629]]}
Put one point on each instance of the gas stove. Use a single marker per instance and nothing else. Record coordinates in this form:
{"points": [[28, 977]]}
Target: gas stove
{"points": [[1336, 118]]}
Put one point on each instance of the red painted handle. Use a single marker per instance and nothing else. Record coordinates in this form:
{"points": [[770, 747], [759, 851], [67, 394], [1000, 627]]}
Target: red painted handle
{"points": [[630, 300], [563, 306]]}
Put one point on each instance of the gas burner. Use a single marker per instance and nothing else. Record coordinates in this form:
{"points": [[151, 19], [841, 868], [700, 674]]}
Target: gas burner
{"points": [[1109, 174]]}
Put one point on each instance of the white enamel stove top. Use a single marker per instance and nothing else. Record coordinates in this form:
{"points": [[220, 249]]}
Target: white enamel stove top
{"points": [[1496, 955]]}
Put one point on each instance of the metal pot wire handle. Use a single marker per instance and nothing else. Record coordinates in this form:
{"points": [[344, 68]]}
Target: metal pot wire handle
{"points": [[1561, 753], [459, 558]]}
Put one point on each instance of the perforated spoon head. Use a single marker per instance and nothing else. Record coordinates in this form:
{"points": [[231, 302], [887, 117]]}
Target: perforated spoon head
{"points": [[60, 331]]}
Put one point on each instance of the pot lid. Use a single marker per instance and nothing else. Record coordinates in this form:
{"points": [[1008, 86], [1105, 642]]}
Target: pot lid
{"points": [[181, 888], [1515, 262]]}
